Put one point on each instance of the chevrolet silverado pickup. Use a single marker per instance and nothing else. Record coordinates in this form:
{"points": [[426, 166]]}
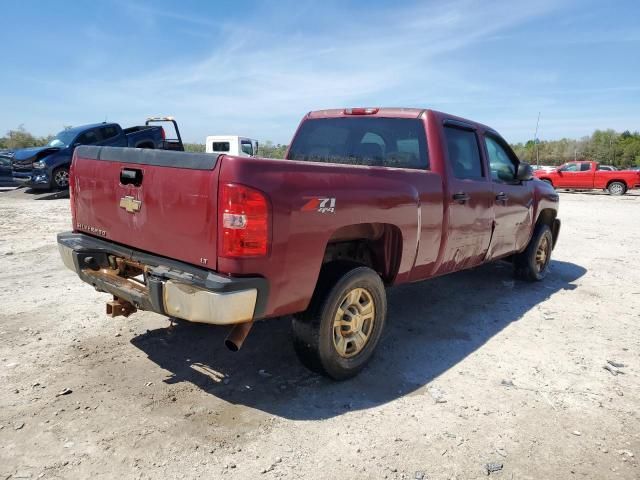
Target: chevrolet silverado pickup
{"points": [[365, 198], [584, 175], [48, 167]]}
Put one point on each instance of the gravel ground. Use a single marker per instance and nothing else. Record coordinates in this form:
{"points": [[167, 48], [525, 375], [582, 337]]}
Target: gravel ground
{"points": [[474, 369]]}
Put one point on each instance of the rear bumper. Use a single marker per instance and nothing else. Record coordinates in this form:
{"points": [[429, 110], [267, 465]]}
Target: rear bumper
{"points": [[170, 288]]}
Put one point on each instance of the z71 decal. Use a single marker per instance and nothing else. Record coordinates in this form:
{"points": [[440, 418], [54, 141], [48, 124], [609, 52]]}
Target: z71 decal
{"points": [[322, 205]]}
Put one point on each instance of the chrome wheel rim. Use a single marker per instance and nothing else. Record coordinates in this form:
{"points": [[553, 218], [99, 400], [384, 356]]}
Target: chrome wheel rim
{"points": [[62, 178], [543, 254], [353, 322], [616, 188]]}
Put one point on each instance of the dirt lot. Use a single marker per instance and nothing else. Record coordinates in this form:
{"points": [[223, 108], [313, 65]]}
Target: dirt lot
{"points": [[473, 369]]}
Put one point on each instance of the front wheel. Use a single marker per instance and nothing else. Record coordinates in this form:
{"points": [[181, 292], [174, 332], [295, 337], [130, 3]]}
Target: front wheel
{"points": [[617, 188], [60, 178], [338, 333], [533, 263]]}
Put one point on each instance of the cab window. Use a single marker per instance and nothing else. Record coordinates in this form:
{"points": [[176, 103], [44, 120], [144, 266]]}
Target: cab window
{"points": [[246, 147], [109, 132], [220, 146], [359, 140], [88, 138], [502, 165], [570, 167], [464, 155]]}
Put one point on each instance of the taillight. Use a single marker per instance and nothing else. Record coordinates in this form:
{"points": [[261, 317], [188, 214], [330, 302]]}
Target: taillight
{"points": [[72, 192], [244, 217], [163, 134]]}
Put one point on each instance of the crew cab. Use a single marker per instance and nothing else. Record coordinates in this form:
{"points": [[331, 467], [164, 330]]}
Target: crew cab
{"points": [[366, 198], [587, 175], [48, 167]]}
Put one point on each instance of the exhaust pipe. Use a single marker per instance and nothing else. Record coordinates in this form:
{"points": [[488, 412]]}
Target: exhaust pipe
{"points": [[237, 336]]}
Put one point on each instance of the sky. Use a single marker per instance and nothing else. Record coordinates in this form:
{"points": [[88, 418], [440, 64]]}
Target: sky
{"points": [[255, 68]]}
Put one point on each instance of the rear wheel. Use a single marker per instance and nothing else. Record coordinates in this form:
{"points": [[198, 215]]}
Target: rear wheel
{"points": [[617, 188], [60, 177], [533, 263], [338, 333]]}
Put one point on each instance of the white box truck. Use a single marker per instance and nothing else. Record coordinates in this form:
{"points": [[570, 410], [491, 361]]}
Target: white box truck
{"points": [[232, 145]]}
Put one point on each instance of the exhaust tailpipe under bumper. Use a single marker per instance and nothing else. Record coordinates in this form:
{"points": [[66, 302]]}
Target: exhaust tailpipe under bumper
{"points": [[237, 336]]}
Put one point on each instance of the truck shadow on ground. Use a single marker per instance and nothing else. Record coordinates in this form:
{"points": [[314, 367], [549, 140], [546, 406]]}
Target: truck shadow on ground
{"points": [[431, 327]]}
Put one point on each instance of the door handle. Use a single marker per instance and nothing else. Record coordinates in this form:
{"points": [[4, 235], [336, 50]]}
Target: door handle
{"points": [[461, 197], [501, 197]]}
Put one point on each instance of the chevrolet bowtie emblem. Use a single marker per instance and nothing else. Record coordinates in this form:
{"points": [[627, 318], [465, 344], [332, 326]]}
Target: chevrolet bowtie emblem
{"points": [[130, 204]]}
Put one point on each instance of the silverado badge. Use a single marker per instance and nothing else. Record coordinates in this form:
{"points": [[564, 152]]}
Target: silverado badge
{"points": [[130, 204]]}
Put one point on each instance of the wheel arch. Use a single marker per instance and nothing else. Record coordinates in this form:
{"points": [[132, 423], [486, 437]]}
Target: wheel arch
{"points": [[375, 245], [619, 180], [548, 216]]}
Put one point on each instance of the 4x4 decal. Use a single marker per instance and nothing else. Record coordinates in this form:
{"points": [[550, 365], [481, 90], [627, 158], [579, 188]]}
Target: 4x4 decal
{"points": [[321, 205]]}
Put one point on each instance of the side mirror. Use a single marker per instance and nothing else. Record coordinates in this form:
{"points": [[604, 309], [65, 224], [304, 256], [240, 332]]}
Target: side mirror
{"points": [[525, 172]]}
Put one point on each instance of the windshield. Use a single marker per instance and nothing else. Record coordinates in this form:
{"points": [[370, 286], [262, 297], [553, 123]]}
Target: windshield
{"points": [[373, 141], [62, 139]]}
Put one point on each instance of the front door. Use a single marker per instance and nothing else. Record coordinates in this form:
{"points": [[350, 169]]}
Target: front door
{"points": [[513, 199], [470, 201], [574, 175]]}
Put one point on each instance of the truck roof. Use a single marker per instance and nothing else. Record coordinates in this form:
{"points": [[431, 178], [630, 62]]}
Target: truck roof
{"points": [[79, 128], [392, 112]]}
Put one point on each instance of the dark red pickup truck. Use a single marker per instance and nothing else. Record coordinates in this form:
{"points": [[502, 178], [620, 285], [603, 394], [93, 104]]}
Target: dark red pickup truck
{"points": [[585, 175], [366, 198]]}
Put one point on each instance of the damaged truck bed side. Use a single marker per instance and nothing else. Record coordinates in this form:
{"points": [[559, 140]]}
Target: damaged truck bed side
{"points": [[366, 198]]}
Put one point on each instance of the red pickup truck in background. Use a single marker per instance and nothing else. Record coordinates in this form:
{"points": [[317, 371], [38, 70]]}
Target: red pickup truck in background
{"points": [[366, 198], [586, 175]]}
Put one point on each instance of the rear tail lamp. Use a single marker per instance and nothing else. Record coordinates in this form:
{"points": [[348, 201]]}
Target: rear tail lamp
{"points": [[163, 134], [244, 214]]}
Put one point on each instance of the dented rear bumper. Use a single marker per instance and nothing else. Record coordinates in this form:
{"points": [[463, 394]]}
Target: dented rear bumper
{"points": [[165, 286]]}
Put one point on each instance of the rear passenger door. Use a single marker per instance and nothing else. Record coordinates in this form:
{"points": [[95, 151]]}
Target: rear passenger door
{"points": [[469, 199], [111, 135], [513, 199]]}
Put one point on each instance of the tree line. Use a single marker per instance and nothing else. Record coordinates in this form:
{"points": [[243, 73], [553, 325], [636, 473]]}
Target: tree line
{"points": [[604, 146]]}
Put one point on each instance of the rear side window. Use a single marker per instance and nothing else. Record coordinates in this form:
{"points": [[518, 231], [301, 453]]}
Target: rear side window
{"points": [[464, 155], [585, 167], [220, 146], [109, 132], [373, 141]]}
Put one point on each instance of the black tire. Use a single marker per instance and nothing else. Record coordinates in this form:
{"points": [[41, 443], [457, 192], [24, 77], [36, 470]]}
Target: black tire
{"points": [[60, 178], [616, 188], [317, 339], [528, 264]]}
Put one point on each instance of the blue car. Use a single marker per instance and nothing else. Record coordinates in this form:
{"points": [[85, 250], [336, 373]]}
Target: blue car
{"points": [[6, 175], [48, 167]]}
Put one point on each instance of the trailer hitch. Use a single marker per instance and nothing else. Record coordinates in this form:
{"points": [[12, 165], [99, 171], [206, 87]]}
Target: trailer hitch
{"points": [[118, 307]]}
